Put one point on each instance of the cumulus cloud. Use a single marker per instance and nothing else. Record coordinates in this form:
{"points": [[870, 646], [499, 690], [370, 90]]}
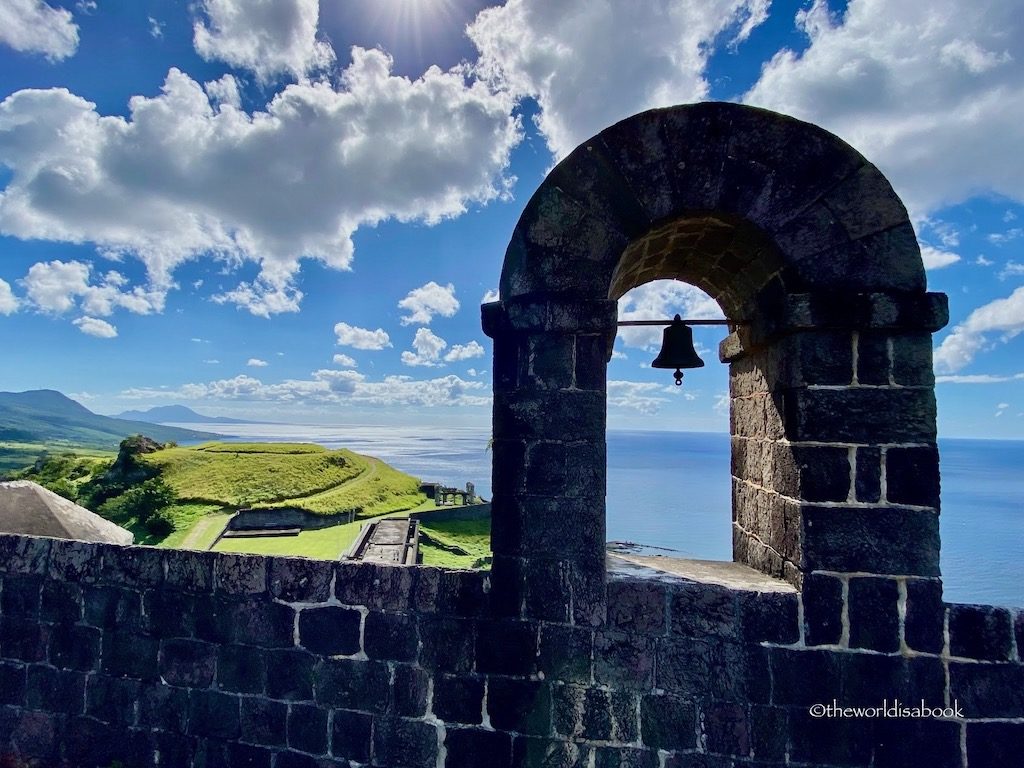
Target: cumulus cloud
{"points": [[464, 352], [927, 89], [93, 326], [267, 37], [58, 286], [329, 387], [645, 397], [428, 300], [661, 299], [977, 378], [8, 301], [936, 258], [344, 361], [255, 362], [224, 91], [588, 69], [33, 26], [182, 177], [361, 338], [1002, 318], [428, 348], [1012, 269], [491, 295]]}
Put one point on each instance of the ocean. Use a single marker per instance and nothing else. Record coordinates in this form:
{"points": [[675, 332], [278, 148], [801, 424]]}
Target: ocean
{"points": [[670, 492]]}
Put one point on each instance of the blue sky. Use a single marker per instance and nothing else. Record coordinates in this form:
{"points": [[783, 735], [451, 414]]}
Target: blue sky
{"points": [[281, 210]]}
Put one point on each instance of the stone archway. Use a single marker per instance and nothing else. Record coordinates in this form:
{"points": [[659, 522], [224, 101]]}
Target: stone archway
{"points": [[835, 467]]}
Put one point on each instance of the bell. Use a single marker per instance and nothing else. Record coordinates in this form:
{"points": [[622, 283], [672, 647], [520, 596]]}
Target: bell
{"points": [[677, 350]]}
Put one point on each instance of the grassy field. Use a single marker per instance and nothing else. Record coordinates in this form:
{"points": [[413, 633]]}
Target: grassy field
{"points": [[17, 456], [471, 536], [243, 474], [377, 491]]}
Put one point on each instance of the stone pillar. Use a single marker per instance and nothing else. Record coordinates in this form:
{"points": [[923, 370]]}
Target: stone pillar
{"points": [[549, 461], [834, 461]]}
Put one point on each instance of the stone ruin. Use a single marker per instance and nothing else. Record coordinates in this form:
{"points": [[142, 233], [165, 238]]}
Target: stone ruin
{"points": [[560, 656]]}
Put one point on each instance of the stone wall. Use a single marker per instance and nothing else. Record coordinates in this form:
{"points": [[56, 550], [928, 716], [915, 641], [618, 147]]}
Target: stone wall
{"points": [[175, 658]]}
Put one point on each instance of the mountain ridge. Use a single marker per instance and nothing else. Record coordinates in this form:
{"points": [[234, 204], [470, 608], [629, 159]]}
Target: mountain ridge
{"points": [[175, 414]]}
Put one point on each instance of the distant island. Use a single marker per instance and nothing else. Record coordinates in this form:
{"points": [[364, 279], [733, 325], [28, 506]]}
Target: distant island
{"points": [[177, 414]]}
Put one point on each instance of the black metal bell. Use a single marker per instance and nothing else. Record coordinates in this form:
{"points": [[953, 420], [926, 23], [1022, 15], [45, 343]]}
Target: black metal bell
{"points": [[677, 350]]}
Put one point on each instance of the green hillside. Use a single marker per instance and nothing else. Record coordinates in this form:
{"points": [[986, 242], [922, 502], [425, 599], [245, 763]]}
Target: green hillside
{"points": [[48, 417]]}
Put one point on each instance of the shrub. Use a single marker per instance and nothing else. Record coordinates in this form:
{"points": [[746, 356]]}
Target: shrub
{"points": [[161, 524], [141, 501]]}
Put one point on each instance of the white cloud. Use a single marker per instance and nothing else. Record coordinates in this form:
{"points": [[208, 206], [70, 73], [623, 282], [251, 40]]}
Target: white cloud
{"points": [[212, 362], [268, 37], [58, 286], [224, 91], [8, 301], [428, 348], [936, 258], [616, 355], [1012, 269], [464, 352], [344, 361], [491, 295], [981, 261], [1002, 316], [646, 397], [329, 387], [926, 89], [1001, 238], [179, 178], [93, 326], [660, 300], [977, 378], [156, 28], [255, 362], [361, 338], [33, 26], [428, 300], [589, 64]]}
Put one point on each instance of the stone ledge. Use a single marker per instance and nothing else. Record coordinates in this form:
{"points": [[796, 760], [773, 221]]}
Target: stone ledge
{"points": [[725, 574]]}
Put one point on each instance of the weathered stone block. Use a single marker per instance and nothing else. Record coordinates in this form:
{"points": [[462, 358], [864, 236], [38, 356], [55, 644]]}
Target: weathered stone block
{"points": [[988, 690], [565, 653], [409, 691], [726, 729], [980, 632], [129, 655], [668, 722], [811, 473], [801, 678], [241, 669], [290, 675], [860, 415], [548, 362], [635, 605], [12, 684], [459, 699], [769, 728], [574, 415], [872, 358], [874, 619], [162, 707], [375, 586], [331, 630], [188, 663], [522, 706], [138, 567], [404, 743], [74, 647], [912, 359], [696, 668], [307, 729], [911, 680], [530, 752], [477, 748], [297, 580], [262, 721], [899, 743], [869, 475], [24, 554], [699, 610], [912, 476], [20, 597], [594, 714], [823, 609], [241, 574], [110, 607], [23, 639], [536, 526], [506, 647], [768, 617], [213, 714], [888, 540], [623, 661], [75, 561], [263, 623], [54, 690], [247, 756], [923, 624], [190, 571], [60, 601], [112, 699], [362, 685], [830, 741], [169, 613], [390, 636], [994, 745], [447, 644], [351, 735]]}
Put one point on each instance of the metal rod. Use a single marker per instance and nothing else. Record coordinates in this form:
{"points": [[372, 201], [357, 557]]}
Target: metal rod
{"points": [[686, 322]]}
